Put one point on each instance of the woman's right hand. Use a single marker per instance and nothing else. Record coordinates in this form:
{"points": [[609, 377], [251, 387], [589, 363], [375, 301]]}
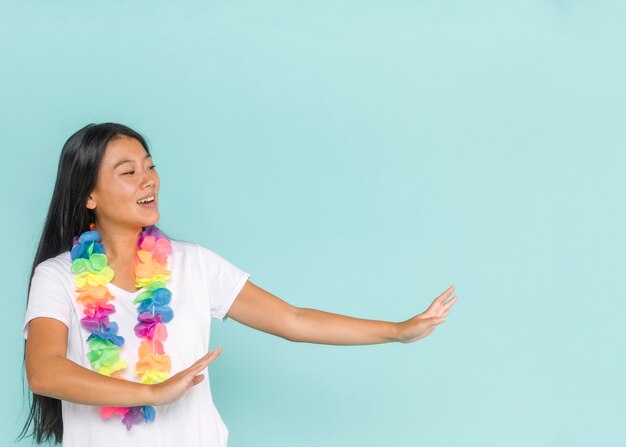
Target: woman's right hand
{"points": [[173, 388]]}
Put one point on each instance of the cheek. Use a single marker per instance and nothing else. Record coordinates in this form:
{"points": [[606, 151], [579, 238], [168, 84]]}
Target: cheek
{"points": [[122, 191]]}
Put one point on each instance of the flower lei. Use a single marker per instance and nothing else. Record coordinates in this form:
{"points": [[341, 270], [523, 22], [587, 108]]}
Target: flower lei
{"points": [[92, 273]]}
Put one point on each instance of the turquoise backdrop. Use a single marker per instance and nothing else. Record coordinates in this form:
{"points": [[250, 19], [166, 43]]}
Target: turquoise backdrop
{"points": [[359, 157]]}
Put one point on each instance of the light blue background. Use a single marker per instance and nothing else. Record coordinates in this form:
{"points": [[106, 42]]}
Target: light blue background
{"points": [[359, 157]]}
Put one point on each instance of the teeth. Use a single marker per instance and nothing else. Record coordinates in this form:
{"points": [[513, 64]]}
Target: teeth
{"points": [[146, 200]]}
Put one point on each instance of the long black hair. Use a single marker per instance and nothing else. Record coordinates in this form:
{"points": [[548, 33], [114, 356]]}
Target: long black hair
{"points": [[67, 217]]}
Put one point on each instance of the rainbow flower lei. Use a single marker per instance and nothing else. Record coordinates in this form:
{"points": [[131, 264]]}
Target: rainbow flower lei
{"points": [[92, 273]]}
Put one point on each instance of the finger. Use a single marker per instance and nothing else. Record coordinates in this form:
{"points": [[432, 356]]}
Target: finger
{"points": [[207, 358], [211, 353], [214, 354], [444, 296], [202, 359], [437, 302], [196, 380], [446, 306]]}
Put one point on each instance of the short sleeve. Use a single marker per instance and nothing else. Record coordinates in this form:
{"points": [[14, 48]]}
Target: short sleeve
{"points": [[224, 281], [47, 297]]}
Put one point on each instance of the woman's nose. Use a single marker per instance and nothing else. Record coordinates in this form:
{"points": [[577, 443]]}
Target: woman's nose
{"points": [[149, 181]]}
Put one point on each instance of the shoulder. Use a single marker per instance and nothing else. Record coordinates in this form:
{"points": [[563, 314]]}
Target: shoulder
{"points": [[191, 251], [61, 264], [187, 248], [199, 251]]}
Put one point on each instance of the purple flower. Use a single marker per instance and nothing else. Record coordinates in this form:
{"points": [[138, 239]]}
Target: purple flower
{"points": [[147, 324], [134, 416]]}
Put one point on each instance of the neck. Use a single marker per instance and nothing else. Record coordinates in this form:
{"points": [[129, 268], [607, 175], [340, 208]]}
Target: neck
{"points": [[120, 243]]}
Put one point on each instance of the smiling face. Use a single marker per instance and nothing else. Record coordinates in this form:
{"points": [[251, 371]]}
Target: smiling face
{"points": [[126, 175]]}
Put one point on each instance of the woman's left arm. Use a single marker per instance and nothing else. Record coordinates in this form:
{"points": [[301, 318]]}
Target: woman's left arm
{"points": [[259, 309]]}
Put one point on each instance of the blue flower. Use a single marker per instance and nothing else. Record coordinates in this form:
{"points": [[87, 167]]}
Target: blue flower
{"points": [[149, 413], [88, 242], [158, 304], [109, 333]]}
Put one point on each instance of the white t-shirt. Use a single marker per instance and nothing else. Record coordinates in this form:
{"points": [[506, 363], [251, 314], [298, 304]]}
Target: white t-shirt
{"points": [[203, 285]]}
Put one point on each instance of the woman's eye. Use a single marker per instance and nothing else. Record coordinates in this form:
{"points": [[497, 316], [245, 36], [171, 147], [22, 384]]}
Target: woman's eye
{"points": [[132, 172]]}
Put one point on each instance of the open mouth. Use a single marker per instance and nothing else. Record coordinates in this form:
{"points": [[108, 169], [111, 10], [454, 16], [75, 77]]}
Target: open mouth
{"points": [[146, 200]]}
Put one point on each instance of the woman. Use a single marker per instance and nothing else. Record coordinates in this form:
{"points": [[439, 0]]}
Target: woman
{"points": [[118, 315]]}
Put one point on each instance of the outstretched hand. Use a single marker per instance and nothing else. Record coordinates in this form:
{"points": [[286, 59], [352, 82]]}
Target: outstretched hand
{"points": [[423, 324]]}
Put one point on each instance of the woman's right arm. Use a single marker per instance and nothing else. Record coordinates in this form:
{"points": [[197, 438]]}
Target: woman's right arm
{"points": [[51, 374]]}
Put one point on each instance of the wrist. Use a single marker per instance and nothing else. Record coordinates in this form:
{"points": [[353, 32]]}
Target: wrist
{"points": [[398, 332], [148, 394]]}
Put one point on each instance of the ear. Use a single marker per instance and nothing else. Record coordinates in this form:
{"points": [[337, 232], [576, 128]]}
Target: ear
{"points": [[91, 203]]}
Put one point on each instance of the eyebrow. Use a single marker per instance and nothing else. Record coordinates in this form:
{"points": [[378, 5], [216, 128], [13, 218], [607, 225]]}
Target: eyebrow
{"points": [[129, 161]]}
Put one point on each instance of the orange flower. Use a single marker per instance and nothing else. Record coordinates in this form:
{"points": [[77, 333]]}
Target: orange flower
{"points": [[156, 362], [89, 293], [149, 268]]}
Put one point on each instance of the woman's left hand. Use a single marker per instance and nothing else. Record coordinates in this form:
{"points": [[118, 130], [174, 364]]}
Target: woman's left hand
{"points": [[423, 324]]}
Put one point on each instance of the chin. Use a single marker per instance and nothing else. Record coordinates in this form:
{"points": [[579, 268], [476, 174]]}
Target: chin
{"points": [[151, 221]]}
